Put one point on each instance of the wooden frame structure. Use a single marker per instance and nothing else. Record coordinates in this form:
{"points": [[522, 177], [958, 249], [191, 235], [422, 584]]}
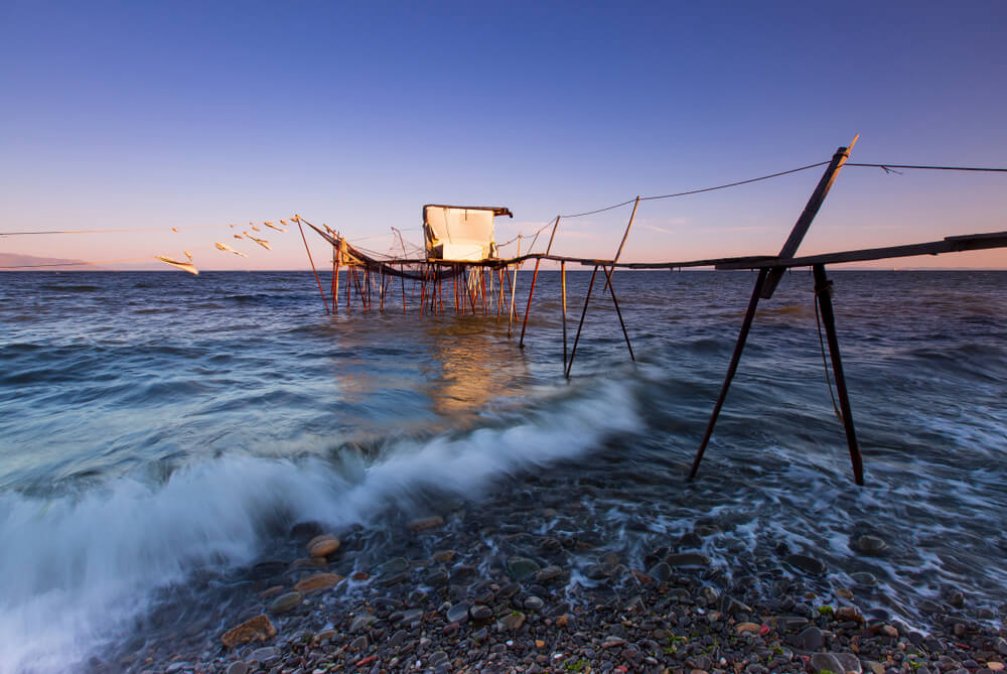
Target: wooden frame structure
{"points": [[477, 286]]}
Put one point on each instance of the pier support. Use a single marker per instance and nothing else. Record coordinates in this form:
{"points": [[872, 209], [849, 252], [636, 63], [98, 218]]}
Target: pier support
{"points": [[823, 295], [746, 325]]}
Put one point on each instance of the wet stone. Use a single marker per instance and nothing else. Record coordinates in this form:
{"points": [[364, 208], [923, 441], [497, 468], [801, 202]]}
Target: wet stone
{"points": [[512, 622], [660, 572], [549, 574], [323, 545], [286, 602], [264, 655], [520, 568], [688, 560], [807, 564], [458, 612], [267, 569], [810, 639], [444, 556], [258, 628], [869, 545], [238, 667], [533, 603], [480, 612], [318, 582], [426, 523], [362, 622]]}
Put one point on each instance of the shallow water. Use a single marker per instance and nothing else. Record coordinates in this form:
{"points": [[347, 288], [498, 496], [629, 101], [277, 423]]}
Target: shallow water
{"points": [[157, 428]]}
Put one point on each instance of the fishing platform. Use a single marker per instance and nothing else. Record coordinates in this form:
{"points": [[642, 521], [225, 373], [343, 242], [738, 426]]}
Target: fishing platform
{"points": [[460, 272]]}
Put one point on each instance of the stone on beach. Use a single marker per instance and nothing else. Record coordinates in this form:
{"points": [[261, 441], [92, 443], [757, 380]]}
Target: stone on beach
{"points": [[258, 628], [318, 582], [425, 523], [688, 560], [520, 568], [323, 545], [286, 602]]}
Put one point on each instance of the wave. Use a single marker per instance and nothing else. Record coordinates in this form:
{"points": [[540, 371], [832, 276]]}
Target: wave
{"points": [[76, 569]]}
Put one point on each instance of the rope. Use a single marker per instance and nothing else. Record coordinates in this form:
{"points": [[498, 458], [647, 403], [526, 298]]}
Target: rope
{"points": [[700, 190], [735, 184], [888, 167], [825, 362]]}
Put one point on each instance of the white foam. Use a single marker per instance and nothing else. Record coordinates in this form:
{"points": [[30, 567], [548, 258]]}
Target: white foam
{"points": [[75, 569]]}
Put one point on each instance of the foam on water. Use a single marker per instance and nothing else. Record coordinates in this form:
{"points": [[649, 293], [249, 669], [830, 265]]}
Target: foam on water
{"points": [[76, 568]]}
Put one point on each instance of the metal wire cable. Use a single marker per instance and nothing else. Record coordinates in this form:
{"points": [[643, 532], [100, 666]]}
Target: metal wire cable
{"points": [[918, 167], [734, 184], [699, 191]]}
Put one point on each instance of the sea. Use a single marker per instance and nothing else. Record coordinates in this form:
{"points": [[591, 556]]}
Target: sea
{"points": [[161, 432]]}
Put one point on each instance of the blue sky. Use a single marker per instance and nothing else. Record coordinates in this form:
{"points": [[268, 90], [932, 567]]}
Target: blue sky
{"points": [[144, 115]]}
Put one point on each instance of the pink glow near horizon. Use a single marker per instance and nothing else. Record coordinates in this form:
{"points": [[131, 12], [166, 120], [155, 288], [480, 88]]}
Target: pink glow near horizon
{"points": [[541, 109]]}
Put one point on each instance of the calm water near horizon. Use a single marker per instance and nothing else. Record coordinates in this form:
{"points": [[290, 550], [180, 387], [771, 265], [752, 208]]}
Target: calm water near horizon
{"points": [[159, 430]]}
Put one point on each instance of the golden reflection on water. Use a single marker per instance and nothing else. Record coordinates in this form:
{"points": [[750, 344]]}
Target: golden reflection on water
{"points": [[460, 365], [476, 365]]}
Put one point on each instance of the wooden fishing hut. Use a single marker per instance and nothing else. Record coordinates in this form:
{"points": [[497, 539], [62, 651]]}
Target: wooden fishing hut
{"points": [[460, 271]]}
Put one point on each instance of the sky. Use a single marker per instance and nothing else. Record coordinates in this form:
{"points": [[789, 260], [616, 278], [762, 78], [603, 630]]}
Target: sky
{"points": [[143, 116]]}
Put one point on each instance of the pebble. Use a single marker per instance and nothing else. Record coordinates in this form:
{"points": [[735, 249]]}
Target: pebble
{"points": [[318, 582], [264, 655], [811, 639], [521, 568], [533, 603], [362, 622], [458, 612], [806, 563], [512, 622], [481, 612], [870, 545], [837, 663], [849, 614], [237, 667], [660, 572], [286, 602], [258, 628], [747, 628], [687, 559], [549, 575], [323, 545], [426, 523], [444, 556]]}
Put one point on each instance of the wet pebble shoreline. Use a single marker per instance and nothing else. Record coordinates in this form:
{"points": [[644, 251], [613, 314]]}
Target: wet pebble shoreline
{"points": [[449, 595]]}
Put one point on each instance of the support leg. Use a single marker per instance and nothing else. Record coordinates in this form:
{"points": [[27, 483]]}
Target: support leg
{"points": [[731, 370], [618, 311], [580, 326], [823, 295]]}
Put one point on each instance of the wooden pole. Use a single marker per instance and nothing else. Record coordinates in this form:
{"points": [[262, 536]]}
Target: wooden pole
{"points": [[335, 277], [793, 241], [513, 290], [534, 278], [580, 326], [618, 311], [823, 295], [325, 302], [731, 369], [562, 283]]}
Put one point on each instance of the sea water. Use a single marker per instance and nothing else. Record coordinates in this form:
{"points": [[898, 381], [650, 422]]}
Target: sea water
{"points": [[157, 429]]}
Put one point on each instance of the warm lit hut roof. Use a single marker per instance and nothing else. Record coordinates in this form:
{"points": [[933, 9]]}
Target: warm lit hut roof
{"points": [[460, 233]]}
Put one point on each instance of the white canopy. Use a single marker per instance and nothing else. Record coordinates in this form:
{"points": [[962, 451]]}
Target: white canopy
{"points": [[460, 233]]}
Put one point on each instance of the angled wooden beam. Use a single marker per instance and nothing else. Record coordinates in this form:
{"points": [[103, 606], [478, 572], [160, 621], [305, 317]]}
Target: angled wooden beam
{"points": [[793, 241]]}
